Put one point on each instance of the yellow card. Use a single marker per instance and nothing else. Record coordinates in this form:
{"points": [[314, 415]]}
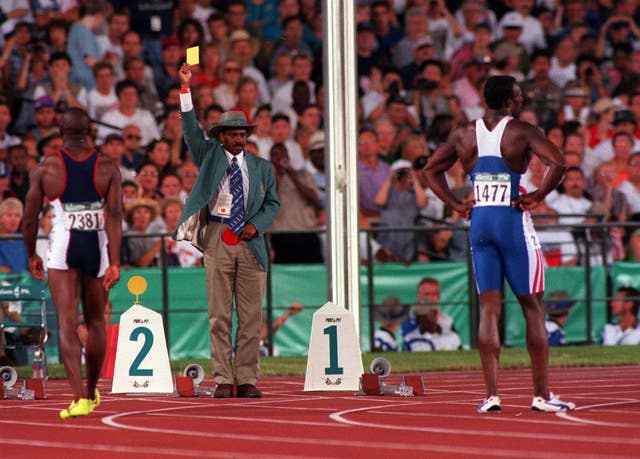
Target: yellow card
{"points": [[193, 55]]}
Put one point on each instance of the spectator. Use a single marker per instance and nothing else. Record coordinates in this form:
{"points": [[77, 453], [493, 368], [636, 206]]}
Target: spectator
{"points": [[247, 91], [445, 30], [563, 63], [82, 45], [366, 54], [236, 14], [110, 44], [209, 64], [282, 68], [244, 48], [390, 314], [159, 154], [281, 133], [506, 61], [400, 198], [17, 160], [387, 147], [165, 74], [190, 33], [44, 229], [152, 21], [132, 48], [630, 188], [113, 147], [544, 95], [603, 191], [300, 204], [624, 330], [477, 49], [633, 248], [315, 165], [128, 113], [103, 97], [170, 186], [372, 172], [5, 179], [230, 73], [291, 42], [467, 89], [13, 253], [416, 27], [188, 172], [423, 51], [262, 134], [301, 72], [558, 305], [387, 34], [624, 124], [50, 145], [140, 215], [147, 177], [134, 70], [602, 129], [576, 106], [429, 335], [56, 37], [430, 97], [574, 203], [45, 118], [179, 253], [133, 151]]}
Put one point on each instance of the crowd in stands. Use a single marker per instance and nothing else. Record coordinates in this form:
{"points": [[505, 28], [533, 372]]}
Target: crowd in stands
{"points": [[421, 69]]}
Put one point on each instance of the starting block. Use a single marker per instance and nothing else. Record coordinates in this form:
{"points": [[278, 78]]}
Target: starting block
{"points": [[370, 384], [37, 386], [188, 385], [416, 383]]}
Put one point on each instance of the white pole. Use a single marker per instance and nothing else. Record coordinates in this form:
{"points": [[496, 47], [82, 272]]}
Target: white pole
{"points": [[340, 92]]}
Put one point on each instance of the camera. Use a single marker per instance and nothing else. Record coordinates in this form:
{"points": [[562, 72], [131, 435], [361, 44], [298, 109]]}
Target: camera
{"points": [[394, 88], [400, 174], [426, 85]]}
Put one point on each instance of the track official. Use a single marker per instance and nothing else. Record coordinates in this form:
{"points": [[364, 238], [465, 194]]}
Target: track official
{"points": [[232, 203]]}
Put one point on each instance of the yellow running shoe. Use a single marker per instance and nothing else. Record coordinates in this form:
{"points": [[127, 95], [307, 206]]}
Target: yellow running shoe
{"points": [[82, 407], [96, 398]]}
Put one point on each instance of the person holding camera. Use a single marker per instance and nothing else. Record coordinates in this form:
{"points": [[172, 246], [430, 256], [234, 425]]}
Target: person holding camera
{"points": [[400, 198], [431, 96]]}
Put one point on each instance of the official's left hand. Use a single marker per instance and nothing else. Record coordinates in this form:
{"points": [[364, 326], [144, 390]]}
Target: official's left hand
{"points": [[250, 231]]}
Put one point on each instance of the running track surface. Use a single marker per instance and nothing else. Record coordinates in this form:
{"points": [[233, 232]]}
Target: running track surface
{"points": [[288, 422]]}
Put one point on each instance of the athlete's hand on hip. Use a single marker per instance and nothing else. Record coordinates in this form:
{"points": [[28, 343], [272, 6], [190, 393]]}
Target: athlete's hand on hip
{"points": [[527, 201], [36, 268], [463, 208], [111, 276]]}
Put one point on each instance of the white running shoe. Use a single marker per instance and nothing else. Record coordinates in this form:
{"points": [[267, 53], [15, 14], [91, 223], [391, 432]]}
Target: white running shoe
{"points": [[553, 405], [490, 405]]}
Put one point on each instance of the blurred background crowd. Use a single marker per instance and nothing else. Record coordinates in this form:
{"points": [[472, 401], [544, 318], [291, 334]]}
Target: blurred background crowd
{"points": [[421, 69]]}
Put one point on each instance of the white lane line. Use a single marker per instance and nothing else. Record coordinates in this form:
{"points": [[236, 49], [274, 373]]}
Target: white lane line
{"points": [[566, 415], [378, 447], [135, 450], [61, 423], [341, 417], [244, 419], [500, 417]]}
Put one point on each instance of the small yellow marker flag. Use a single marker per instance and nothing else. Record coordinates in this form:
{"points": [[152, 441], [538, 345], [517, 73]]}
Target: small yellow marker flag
{"points": [[193, 55]]}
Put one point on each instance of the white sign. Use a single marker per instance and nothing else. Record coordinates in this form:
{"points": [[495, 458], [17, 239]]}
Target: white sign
{"points": [[334, 361], [142, 361]]}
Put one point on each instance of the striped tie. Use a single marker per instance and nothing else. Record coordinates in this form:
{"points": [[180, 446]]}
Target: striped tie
{"points": [[236, 224]]}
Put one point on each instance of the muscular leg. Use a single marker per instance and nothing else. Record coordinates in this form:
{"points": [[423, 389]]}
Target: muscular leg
{"points": [[65, 293], [94, 299], [489, 339], [537, 344]]}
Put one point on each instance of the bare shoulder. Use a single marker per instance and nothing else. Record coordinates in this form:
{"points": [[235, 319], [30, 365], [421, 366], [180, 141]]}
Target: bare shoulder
{"points": [[523, 128]]}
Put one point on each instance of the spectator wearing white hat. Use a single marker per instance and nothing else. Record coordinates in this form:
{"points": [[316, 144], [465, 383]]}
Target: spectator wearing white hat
{"points": [[532, 36], [400, 198]]}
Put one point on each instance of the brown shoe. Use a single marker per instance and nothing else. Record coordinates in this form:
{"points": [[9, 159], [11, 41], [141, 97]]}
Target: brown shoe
{"points": [[248, 391], [223, 391]]}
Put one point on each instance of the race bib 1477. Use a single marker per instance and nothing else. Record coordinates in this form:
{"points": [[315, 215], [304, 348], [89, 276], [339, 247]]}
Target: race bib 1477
{"points": [[492, 189]]}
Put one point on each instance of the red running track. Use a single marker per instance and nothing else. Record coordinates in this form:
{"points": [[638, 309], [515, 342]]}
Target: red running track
{"points": [[288, 422]]}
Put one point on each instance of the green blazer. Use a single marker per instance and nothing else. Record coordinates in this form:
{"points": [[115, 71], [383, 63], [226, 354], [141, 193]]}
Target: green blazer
{"points": [[262, 202]]}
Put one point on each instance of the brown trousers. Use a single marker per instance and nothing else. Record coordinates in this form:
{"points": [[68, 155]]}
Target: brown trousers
{"points": [[232, 273]]}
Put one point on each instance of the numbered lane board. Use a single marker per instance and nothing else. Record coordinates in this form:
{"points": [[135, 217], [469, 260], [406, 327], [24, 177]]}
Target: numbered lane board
{"points": [[142, 361]]}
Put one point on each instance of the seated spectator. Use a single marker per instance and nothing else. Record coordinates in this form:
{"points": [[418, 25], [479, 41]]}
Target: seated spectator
{"points": [[148, 179], [372, 172], [179, 253], [558, 305], [45, 118], [624, 330], [128, 113], [134, 70], [159, 154], [188, 172], [225, 93], [428, 293], [624, 126], [133, 151], [244, 48], [165, 74], [389, 315], [209, 64], [299, 211], [630, 188], [602, 129], [283, 66], [170, 185], [506, 61], [400, 198], [302, 70], [429, 334], [13, 253], [576, 107], [17, 160], [59, 87], [140, 214], [113, 147], [574, 203], [633, 248]]}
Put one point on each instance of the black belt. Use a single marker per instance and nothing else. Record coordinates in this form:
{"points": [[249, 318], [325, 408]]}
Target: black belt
{"points": [[215, 218]]}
